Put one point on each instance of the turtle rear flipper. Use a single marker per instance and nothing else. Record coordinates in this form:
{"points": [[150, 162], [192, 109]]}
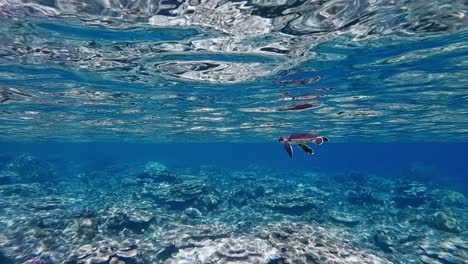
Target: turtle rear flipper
{"points": [[306, 149], [288, 148]]}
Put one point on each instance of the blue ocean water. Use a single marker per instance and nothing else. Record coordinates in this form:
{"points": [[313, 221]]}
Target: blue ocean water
{"points": [[388, 159], [146, 131]]}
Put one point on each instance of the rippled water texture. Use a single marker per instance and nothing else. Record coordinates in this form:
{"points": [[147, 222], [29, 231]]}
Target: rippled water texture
{"points": [[362, 70]]}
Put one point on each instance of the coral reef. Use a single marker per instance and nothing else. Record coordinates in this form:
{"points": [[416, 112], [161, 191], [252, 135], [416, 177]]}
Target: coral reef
{"points": [[291, 204], [135, 220], [37, 261], [451, 250], [444, 198], [305, 244], [87, 228], [23, 190], [410, 194], [387, 239], [240, 249], [444, 221], [156, 172], [7, 177], [363, 197], [107, 252], [181, 196], [345, 218], [4, 259], [114, 215], [28, 169]]}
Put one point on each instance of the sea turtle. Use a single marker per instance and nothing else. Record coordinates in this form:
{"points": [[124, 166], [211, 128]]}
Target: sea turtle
{"points": [[301, 139]]}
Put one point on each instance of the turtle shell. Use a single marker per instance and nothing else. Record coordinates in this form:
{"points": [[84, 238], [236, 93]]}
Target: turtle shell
{"points": [[302, 137]]}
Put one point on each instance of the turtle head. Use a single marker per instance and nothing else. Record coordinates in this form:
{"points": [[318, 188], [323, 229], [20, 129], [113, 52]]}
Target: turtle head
{"points": [[283, 139]]}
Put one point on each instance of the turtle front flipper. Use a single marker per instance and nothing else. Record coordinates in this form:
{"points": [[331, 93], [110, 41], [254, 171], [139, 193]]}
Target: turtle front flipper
{"points": [[306, 149], [288, 148]]}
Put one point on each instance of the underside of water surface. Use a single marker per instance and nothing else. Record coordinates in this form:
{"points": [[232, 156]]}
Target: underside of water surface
{"points": [[206, 71], [166, 131]]}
